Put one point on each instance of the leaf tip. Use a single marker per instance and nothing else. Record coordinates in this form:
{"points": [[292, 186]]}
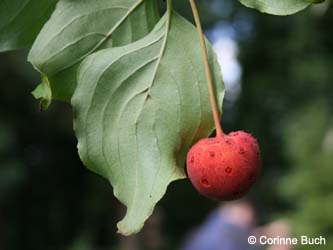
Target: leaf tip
{"points": [[125, 229]]}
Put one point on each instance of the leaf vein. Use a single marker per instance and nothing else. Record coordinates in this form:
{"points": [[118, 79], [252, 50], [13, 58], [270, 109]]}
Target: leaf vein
{"points": [[121, 111]]}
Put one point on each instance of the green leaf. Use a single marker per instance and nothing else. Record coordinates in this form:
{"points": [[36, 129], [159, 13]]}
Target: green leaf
{"points": [[139, 108], [44, 93], [316, 1], [21, 20], [76, 29], [277, 7]]}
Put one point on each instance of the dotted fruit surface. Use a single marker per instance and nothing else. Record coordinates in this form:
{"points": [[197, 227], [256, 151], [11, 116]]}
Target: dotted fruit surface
{"points": [[224, 167]]}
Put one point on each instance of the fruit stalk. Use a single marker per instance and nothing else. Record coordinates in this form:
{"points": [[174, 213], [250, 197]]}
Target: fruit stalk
{"points": [[213, 103]]}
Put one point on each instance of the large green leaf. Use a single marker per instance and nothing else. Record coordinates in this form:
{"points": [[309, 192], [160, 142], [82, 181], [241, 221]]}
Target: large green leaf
{"points": [[77, 28], [21, 20], [139, 108], [277, 7]]}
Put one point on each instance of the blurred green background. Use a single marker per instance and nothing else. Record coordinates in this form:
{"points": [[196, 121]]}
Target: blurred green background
{"points": [[279, 78]]}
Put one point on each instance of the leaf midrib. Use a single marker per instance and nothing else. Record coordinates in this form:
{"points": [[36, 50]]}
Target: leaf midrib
{"points": [[106, 36], [159, 58], [167, 29], [98, 80]]}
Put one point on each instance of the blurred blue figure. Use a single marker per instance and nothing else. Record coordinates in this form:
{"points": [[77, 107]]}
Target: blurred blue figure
{"points": [[227, 228]]}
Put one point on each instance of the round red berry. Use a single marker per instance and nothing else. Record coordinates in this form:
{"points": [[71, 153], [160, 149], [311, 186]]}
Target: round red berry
{"points": [[224, 167]]}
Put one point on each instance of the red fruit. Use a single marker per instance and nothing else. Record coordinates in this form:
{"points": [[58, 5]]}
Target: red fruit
{"points": [[224, 167]]}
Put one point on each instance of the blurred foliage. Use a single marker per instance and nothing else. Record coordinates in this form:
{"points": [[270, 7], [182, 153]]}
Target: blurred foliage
{"points": [[48, 200], [287, 100]]}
